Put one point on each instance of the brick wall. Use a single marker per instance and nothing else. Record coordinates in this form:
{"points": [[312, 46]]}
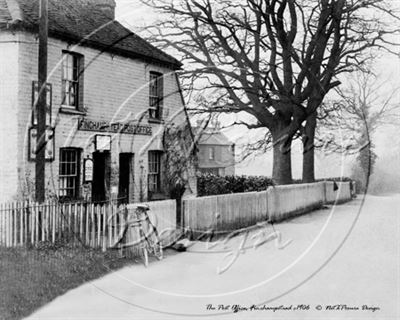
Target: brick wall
{"points": [[115, 88]]}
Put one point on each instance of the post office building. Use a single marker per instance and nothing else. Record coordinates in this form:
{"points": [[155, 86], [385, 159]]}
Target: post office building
{"points": [[109, 96]]}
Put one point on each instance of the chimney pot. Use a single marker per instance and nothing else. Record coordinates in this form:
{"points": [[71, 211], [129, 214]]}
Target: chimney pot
{"points": [[106, 6]]}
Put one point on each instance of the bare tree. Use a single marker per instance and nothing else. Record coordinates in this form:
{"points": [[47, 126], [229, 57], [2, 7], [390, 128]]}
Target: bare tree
{"points": [[364, 108], [272, 59]]}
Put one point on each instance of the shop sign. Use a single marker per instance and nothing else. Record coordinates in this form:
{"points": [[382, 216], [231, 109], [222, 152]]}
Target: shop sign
{"points": [[49, 153], [88, 170], [104, 126], [102, 142], [35, 96]]}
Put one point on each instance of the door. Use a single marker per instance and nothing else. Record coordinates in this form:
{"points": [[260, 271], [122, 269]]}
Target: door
{"points": [[125, 186], [101, 176]]}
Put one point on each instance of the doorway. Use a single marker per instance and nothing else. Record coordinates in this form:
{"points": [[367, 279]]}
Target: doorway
{"points": [[101, 176], [126, 178]]}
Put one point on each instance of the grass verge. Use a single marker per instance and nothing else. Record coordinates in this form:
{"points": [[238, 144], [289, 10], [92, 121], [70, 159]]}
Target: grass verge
{"points": [[30, 278]]}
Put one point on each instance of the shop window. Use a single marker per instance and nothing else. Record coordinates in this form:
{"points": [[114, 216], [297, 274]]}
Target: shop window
{"points": [[72, 80], [154, 174], [69, 173], [156, 95]]}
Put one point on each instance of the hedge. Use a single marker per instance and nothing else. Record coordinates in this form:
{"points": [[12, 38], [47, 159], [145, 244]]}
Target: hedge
{"points": [[209, 184]]}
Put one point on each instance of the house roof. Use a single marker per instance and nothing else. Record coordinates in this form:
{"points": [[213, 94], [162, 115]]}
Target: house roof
{"points": [[213, 138], [76, 21]]}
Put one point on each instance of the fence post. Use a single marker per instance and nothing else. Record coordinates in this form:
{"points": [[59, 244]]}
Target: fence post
{"points": [[81, 223], [36, 219], [1, 224], [104, 239], [21, 225], [37, 210], [88, 219], [25, 221], [109, 222], [30, 223], [33, 224], [7, 222], [14, 225], [4, 213], [99, 211], [86, 224], [93, 235], [43, 220]]}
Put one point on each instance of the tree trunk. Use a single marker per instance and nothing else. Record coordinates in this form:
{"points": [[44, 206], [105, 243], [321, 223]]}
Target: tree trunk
{"points": [[282, 163], [309, 149]]}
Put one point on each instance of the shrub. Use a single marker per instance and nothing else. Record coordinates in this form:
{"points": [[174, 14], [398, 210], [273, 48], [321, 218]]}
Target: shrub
{"points": [[209, 184]]}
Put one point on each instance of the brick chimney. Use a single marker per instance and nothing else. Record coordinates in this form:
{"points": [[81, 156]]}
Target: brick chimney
{"points": [[106, 6]]}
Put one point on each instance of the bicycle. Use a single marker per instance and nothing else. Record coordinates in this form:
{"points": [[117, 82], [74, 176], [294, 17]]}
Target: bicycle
{"points": [[149, 241], [148, 235]]}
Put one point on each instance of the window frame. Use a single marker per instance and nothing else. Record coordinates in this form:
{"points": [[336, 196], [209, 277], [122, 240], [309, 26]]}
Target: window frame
{"points": [[156, 95], [77, 79], [75, 177], [154, 163], [211, 153]]}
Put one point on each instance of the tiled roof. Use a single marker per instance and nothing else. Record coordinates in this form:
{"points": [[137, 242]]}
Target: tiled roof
{"points": [[74, 20], [213, 138]]}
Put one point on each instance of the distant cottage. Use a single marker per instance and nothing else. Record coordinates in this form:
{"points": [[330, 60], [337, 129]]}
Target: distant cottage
{"points": [[109, 95], [216, 153]]}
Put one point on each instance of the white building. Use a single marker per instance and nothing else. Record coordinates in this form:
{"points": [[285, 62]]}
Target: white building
{"points": [[110, 94]]}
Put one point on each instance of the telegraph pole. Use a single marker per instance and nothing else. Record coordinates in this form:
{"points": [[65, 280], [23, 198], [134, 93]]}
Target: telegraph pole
{"points": [[41, 104]]}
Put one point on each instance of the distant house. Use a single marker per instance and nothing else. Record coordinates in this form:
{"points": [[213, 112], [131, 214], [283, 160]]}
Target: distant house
{"points": [[109, 96], [216, 154]]}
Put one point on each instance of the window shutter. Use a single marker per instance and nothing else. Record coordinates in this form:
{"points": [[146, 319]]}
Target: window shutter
{"points": [[81, 67]]}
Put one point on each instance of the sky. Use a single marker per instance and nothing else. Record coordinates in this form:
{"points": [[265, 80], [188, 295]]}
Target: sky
{"points": [[135, 15]]}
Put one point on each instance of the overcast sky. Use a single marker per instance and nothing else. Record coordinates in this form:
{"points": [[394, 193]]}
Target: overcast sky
{"points": [[135, 15]]}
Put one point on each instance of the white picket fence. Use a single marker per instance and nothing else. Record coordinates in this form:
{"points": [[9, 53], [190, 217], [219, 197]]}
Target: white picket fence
{"points": [[341, 194], [289, 200], [224, 213], [99, 226], [94, 225]]}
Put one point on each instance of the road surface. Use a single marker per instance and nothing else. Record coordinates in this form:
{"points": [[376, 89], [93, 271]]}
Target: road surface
{"points": [[336, 263]]}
